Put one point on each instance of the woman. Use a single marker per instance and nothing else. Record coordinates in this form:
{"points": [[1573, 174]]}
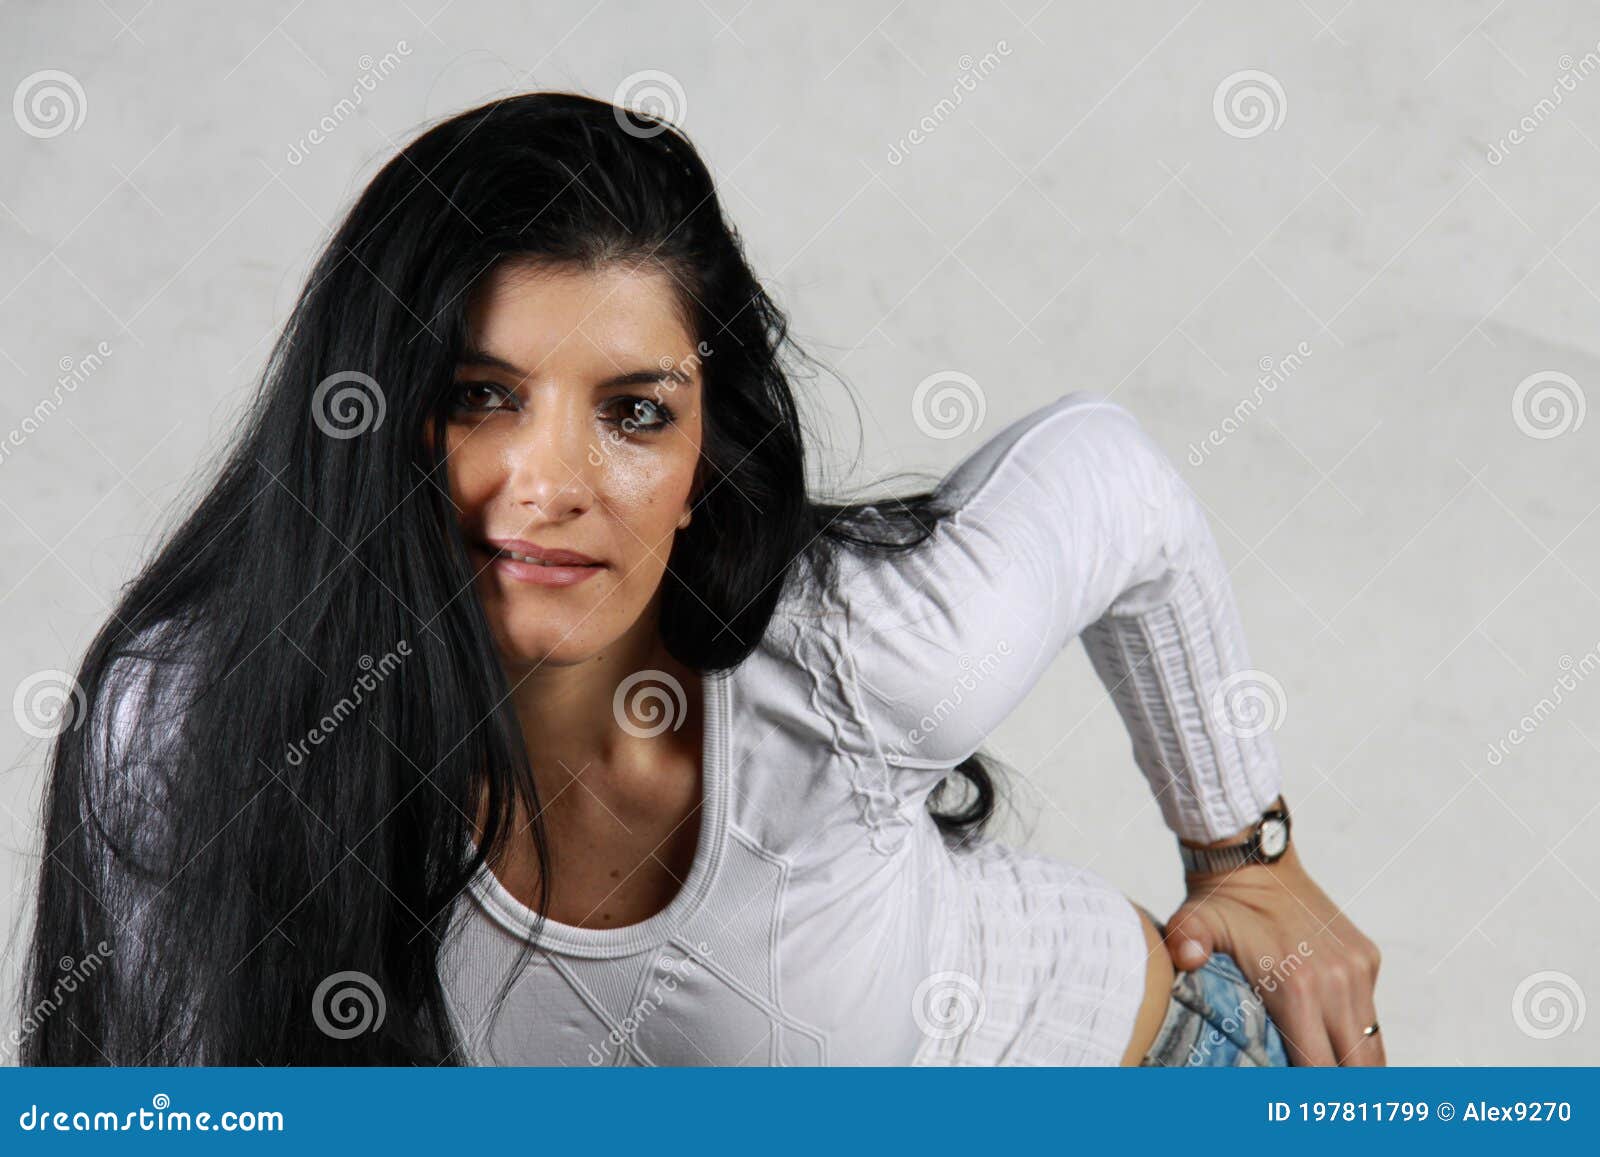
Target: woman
{"points": [[508, 700]]}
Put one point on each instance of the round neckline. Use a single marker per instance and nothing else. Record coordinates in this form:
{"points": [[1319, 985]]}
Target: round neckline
{"points": [[519, 919]]}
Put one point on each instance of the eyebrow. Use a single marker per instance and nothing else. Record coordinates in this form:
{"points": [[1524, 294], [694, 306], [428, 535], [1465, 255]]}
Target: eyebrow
{"points": [[474, 356]]}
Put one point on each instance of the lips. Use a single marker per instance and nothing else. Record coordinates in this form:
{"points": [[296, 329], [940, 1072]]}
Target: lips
{"points": [[520, 550]]}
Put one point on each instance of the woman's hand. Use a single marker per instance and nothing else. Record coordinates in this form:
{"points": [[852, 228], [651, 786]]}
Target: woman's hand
{"points": [[1313, 969]]}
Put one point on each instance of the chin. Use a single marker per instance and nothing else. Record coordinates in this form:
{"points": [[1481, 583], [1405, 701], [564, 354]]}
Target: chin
{"points": [[547, 644], [549, 653]]}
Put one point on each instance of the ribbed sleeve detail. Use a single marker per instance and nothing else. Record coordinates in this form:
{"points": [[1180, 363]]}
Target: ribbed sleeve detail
{"points": [[1164, 671]]}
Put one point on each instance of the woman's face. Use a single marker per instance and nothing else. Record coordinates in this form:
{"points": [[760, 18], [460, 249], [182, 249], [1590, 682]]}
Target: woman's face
{"points": [[575, 427]]}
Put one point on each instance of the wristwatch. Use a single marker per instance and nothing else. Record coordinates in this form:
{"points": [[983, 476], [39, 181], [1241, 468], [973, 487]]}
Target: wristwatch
{"points": [[1266, 844]]}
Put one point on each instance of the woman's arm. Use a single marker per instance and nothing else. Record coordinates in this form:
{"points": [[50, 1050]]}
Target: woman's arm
{"points": [[1071, 522]]}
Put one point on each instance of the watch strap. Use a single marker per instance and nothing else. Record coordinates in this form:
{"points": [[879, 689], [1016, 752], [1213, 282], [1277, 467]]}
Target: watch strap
{"points": [[1223, 859], [1230, 856]]}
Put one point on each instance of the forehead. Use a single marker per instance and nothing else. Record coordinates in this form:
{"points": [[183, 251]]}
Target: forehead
{"points": [[530, 314]]}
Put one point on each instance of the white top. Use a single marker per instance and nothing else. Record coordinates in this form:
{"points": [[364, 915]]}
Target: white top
{"points": [[825, 920]]}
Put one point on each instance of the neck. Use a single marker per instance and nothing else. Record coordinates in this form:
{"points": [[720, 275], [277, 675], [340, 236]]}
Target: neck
{"points": [[574, 725]]}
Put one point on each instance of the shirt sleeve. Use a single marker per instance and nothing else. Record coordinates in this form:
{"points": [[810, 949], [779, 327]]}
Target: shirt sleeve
{"points": [[1070, 521]]}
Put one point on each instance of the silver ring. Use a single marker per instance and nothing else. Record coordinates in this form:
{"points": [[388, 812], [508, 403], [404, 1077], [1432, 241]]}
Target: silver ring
{"points": [[1370, 1030]]}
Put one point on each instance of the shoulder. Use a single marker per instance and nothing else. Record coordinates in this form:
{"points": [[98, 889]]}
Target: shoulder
{"points": [[1084, 429], [1045, 523], [136, 713]]}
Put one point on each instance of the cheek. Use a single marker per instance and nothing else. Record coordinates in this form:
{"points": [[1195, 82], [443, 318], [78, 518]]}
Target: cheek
{"points": [[648, 491], [473, 466]]}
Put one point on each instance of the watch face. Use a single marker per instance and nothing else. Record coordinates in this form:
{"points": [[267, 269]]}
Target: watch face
{"points": [[1274, 838]]}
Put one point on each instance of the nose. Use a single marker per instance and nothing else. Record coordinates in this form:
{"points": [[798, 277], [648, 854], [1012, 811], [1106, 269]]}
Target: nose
{"points": [[548, 459]]}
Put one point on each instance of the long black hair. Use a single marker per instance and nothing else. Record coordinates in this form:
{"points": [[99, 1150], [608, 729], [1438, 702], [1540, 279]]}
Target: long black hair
{"points": [[271, 849]]}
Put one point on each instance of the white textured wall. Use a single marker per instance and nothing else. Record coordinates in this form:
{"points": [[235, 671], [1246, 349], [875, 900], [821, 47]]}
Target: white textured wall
{"points": [[1414, 566]]}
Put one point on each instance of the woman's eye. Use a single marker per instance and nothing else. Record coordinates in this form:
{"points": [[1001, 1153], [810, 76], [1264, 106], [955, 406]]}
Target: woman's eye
{"points": [[479, 396], [644, 414]]}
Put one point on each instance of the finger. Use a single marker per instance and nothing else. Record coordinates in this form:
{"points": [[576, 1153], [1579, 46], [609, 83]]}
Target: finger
{"points": [[1347, 989], [1190, 937], [1305, 1034], [1353, 1047]]}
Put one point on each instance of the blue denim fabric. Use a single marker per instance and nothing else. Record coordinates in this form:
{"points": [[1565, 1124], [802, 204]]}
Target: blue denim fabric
{"points": [[1216, 1020]]}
